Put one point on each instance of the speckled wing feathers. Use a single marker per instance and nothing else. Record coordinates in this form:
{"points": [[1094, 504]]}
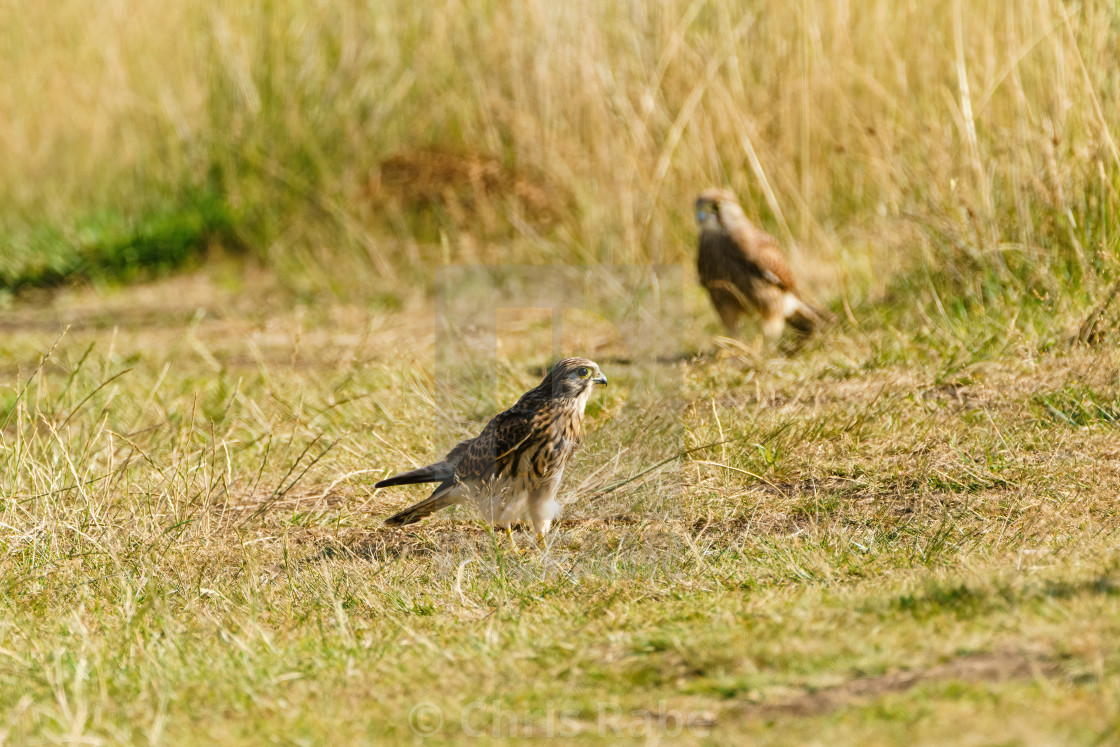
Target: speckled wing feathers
{"points": [[751, 251], [485, 454]]}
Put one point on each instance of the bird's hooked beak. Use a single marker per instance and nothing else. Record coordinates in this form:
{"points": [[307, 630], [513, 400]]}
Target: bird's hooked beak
{"points": [[600, 379]]}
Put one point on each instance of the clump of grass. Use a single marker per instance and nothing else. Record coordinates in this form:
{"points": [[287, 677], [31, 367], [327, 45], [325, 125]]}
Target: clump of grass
{"points": [[117, 248], [1079, 405]]}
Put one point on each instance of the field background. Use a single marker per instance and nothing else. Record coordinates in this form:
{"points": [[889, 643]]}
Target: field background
{"points": [[220, 236]]}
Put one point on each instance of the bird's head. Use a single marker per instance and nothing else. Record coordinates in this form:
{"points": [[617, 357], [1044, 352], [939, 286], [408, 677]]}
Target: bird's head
{"points": [[715, 207], [574, 377]]}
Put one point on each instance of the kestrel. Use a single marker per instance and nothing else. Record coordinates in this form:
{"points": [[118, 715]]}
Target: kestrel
{"points": [[515, 465], [744, 270]]}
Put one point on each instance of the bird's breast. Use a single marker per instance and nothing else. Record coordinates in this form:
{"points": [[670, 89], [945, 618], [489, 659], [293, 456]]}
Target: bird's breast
{"points": [[711, 260]]}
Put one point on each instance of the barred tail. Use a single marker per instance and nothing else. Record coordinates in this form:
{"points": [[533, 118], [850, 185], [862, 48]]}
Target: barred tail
{"points": [[444, 496]]}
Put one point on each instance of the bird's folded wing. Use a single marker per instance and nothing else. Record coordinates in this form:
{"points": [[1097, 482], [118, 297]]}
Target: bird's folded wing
{"points": [[763, 251], [456, 454], [499, 439]]}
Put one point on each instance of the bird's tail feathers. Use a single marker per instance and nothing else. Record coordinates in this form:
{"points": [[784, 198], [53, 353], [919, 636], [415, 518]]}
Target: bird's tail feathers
{"points": [[445, 496], [437, 472], [803, 317]]}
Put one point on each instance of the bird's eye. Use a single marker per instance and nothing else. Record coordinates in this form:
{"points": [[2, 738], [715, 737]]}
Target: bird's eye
{"points": [[583, 372], [715, 208]]}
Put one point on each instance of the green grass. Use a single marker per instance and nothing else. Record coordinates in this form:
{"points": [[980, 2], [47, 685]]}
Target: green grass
{"points": [[116, 248]]}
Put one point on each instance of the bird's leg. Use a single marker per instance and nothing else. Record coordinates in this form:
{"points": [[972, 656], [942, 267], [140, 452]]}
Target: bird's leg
{"points": [[760, 346], [729, 315], [513, 545], [540, 525], [772, 331]]}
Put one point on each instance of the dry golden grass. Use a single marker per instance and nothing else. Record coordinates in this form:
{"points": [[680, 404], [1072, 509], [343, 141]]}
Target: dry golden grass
{"points": [[903, 532], [810, 549], [873, 137]]}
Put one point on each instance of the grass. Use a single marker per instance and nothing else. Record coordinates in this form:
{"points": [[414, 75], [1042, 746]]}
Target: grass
{"points": [[242, 284], [193, 549], [111, 248]]}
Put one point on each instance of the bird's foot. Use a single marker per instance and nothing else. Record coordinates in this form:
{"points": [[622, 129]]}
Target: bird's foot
{"points": [[513, 548], [730, 347]]}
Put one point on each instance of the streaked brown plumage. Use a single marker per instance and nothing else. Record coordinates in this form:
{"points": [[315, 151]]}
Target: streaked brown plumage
{"points": [[744, 270], [515, 465]]}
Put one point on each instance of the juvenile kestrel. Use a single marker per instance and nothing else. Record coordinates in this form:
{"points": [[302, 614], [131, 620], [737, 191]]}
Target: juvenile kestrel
{"points": [[744, 270], [515, 465]]}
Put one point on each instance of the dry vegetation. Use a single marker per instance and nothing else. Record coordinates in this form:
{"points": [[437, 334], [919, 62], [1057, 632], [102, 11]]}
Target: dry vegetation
{"points": [[225, 239]]}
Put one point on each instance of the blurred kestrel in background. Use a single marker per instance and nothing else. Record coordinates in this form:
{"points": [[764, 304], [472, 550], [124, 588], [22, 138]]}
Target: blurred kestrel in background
{"points": [[514, 467], [744, 270]]}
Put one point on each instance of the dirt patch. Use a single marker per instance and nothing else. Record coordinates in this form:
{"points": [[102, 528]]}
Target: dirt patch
{"points": [[999, 666], [466, 184]]}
